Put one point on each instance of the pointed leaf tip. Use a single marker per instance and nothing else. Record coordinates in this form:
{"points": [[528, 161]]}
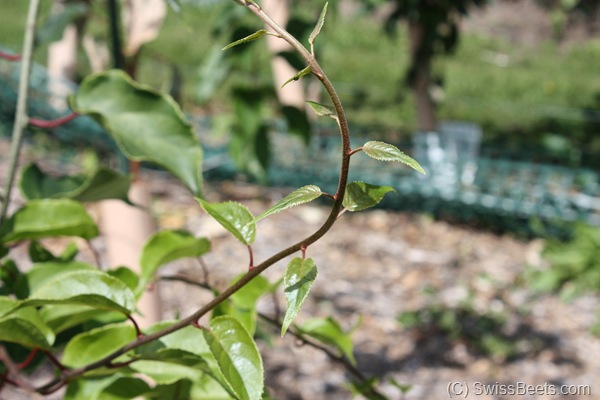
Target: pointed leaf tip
{"points": [[320, 109], [319, 26], [387, 152], [297, 281], [299, 75], [256, 35], [300, 196], [361, 195]]}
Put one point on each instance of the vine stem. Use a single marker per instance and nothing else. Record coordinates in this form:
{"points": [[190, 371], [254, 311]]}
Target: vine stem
{"points": [[258, 269], [21, 113]]}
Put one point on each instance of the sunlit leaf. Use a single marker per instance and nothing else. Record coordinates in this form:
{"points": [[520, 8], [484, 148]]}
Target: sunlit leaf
{"points": [[146, 125], [250, 38], [360, 195], [237, 356], [48, 218], [387, 152], [303, 195], [297, 281], [234, 217], [92, 288]]}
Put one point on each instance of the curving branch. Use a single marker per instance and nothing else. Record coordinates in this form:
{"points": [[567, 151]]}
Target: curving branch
{"points": [[317, 71]]}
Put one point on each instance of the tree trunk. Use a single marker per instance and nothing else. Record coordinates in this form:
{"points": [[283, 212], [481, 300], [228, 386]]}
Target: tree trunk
{"points": [[293, 93], [421, 80]]}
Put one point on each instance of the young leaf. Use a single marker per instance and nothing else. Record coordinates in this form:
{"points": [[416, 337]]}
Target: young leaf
{"points": [[42, 272], [48, 218], [299, 75], [24, 326], [146, 125], [320, 109], [249, 38], [60, 317], [387, 152], [92, 288], [94, 345], [330, 332], [166, 246], [360, 195], [297, 281], [100, 185], [237, 356], [317, 29], [303, 195], [234, 217]]}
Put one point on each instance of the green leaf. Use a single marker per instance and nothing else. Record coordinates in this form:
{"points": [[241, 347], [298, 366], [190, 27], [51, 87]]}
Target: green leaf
{"points": [[386, 152], [54, 25], [24, 327], [60, 317], [319, 26], [48, 218], [169, 366], [127, 276], [330, 332], [112, 387], [249, 38], [146, 125], [234, 217], [40, 273], [167, 246], [38, 253], [237, 356], [88, 347], [303, 195], [92, 288], [101, 185], [243, 306], [360, 195], [297, 281], [299, 75], [297, 122], [10, 276], [321, 110]]}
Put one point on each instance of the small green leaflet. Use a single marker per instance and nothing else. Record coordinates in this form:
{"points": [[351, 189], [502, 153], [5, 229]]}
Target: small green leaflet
{"points": [[237, 356], [297, 281], [299, 75], [303, 195], [321, 110], [386, 152], [249, 38], [360, 195], [234, 217], [317, 29]]}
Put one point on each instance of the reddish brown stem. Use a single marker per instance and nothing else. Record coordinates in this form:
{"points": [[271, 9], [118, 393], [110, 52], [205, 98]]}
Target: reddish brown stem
{"points": [[353, 152], [251, 255], [54, 123], [54, 360], [9, 57], [28, 359], [138, 332]]}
